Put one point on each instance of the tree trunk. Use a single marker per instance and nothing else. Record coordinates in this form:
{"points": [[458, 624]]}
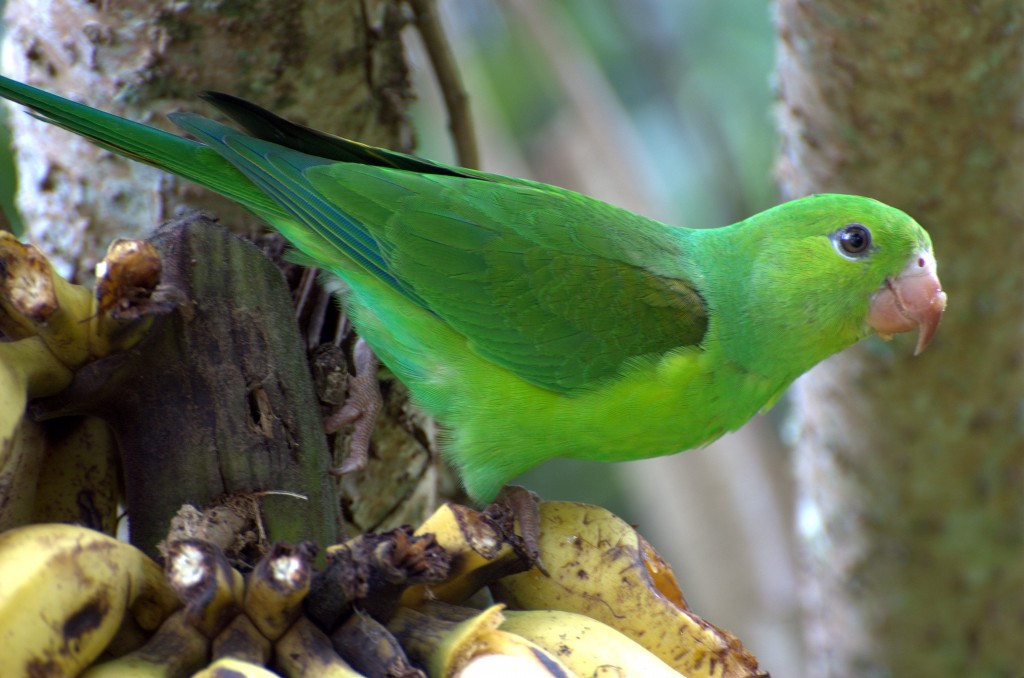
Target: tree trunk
{"points": [[911, 470]]}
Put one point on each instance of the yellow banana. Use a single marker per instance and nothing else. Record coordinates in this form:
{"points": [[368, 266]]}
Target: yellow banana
{"points": [[34, 300], [609, 672], [27, 370], [75, 324], [80, 478], [492, 665], [449, 648], [586, 645], [275, 588], [27, 297], [601, 568], [304, 651], [176, 650], [52, 328], [22, 450], [123, 308], [240, 639], [66, 332], [370, 647], [478, 551], [64, 591], [128, 638], [229, 667], [205, 581]]}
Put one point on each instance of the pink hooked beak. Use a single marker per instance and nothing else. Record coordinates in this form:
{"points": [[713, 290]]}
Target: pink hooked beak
{"points": [[913, 299]]}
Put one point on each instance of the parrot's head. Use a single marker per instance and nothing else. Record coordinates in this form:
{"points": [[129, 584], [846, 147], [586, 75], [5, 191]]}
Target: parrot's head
{"points": [[829, 270], [883, 248]]}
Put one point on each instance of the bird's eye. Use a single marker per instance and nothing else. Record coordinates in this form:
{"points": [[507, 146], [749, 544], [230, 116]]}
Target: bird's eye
{"points": [[853, 239]]}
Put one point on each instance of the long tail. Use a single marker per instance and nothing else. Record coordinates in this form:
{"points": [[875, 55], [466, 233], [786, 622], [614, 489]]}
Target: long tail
{"points": [[265, 170], [260, 174], [188, 159], [265, 125]]}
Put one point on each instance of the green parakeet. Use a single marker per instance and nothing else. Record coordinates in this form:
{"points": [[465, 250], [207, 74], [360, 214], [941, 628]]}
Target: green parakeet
{"points": [[534, 322]]}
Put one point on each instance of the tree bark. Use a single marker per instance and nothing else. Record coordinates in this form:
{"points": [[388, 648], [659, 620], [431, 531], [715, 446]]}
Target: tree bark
{"points": [[336, 66], [911, 470]]}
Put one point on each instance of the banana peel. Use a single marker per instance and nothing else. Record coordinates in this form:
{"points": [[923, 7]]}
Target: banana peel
{"points": [[230, 667], [27, 370], [479, 554], [240, 639], [274, 590], [304, 651], [451, 648], [371, 649], [176, 649], [80, 477], [586, 645], [124, 305], [602, 568], [21, 462], [209, 587]]}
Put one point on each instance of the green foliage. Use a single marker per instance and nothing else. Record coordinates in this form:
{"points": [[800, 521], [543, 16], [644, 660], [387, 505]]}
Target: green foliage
{"points": [[693, 79]]}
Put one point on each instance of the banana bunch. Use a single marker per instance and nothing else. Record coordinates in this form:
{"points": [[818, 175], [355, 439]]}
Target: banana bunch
{"points": [[67, 591], [227, 624], [50, 328], [407, 602], [608, 605]]}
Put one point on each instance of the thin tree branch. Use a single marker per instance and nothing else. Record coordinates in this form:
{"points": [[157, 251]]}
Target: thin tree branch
{"points": [[455, 97]]}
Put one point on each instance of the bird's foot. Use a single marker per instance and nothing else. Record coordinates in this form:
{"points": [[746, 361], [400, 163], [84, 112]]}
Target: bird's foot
{"points": [[516, 504], [360, 409]]}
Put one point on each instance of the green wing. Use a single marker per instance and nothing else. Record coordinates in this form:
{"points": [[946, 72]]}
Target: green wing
{"points": [[560, 288], [543, 281]]}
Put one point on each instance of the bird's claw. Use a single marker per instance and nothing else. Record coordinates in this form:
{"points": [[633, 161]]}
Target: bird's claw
{"points": [[361, 408], [516, 503]]}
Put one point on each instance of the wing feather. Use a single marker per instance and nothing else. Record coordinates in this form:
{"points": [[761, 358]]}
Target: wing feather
{"points": [[559, 288]]}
